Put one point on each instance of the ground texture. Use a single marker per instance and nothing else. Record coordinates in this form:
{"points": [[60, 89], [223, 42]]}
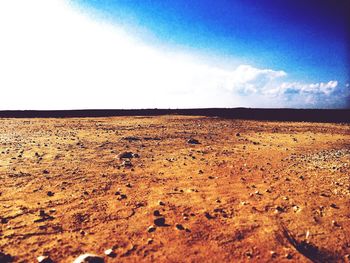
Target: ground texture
{"points": [[174, 189]]}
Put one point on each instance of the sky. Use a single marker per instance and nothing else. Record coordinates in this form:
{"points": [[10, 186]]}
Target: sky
{"points": [[121, 54]]}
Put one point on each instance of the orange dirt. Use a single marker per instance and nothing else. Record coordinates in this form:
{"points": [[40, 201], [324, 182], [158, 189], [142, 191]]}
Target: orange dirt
{"points": [[275, 192]]}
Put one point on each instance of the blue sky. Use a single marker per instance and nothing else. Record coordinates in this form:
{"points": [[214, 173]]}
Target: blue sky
{"points": [[306, 38], [113, 54]]}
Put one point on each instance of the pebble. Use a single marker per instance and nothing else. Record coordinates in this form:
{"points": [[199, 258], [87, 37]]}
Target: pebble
{"points": [[151, 229], [49, 193], [335, 223], [289, 256], [193, 141], [179, 227], [159, 221], [156, 213], [161, 203], [110, 253], [44, 259], [89, 258], [126, 155], [334, 206], [6, 258], [273, 254]]}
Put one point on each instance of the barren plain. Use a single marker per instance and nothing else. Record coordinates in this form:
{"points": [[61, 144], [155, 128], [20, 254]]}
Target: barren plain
{"points": [[174, 189]]}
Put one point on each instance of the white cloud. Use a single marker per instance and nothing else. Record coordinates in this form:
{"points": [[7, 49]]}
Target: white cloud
{"points": [[52, 56]]}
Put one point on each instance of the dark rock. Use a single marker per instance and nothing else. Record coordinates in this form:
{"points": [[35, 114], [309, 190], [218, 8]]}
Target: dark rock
{"points": [[151, 229], [156, 213], [179, 227], [159, 221], [6, 258], [193, 141], [126, 155]]}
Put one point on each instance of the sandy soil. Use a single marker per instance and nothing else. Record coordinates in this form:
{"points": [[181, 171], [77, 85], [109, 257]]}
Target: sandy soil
{"points": [[247, 192]]}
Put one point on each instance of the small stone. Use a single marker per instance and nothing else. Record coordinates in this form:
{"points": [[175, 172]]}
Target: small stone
{"points": [[127, 164], [334, 206], [238, 134], [122, 196], [289, 256], [126, 155], [335, 223], [6, 258], [149, 241], [179, 227], [151, 229], [42, 213], [89, 258], [49, 193], [159, 221], [156, 213], [208, 216], [44, 259], [273, 254], [279, 209], [161, 203], [110, 253], [193, 141]]}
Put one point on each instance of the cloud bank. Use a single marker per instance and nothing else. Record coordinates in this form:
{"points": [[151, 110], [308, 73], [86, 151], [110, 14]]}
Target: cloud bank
{"points": [[53, 56]]}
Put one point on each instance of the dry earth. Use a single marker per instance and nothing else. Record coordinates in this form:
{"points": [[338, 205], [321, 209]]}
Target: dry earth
{"points": [[248, 192]]}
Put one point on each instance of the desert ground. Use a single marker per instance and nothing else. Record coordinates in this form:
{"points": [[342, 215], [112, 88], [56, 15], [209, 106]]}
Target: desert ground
{"points": [[174, 189]]}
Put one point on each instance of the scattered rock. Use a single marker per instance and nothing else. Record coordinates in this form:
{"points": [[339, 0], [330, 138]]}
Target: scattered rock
{"points": [[151, 229], [6, 258], [335, 223], [193, 141], [161, 203], [334, 206], [122, 197], [49, 193], [110, 253], [273, 254], [208, 216], [44, 259], [179, 227], [289, 256], [128, 155], [156, 213], [89, 258], [127, 164], [159, 221], [279, 209]]}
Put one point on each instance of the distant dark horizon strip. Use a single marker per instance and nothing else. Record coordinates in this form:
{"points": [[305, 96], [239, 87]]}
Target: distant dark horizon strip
{"points": [[284, 114]]}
